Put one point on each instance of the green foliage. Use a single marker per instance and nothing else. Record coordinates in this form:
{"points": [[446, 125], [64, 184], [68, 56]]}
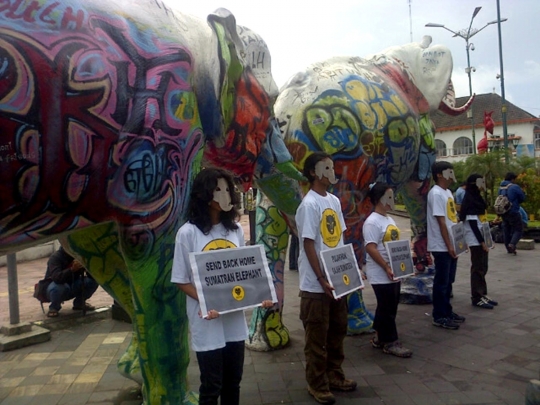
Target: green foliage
{"points": [[530, 183]]}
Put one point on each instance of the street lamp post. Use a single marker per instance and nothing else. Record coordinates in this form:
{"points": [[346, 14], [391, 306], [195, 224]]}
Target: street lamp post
{"points": [[467, 34], [503, 108]]}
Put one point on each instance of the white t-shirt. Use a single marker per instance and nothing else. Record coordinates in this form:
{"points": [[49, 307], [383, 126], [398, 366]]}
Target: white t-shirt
{"points": [[378, 229], [440, 204], [230, 327], [470, 238], [320, 219]]}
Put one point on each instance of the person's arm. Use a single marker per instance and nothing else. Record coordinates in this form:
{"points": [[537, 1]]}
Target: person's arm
{"points": [[59, 269], [311, 253], [441, 221], [371, 249], [477, 234]]}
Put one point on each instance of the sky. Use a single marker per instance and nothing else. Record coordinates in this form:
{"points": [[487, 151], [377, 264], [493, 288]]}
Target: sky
{"points": [[301, 32]]}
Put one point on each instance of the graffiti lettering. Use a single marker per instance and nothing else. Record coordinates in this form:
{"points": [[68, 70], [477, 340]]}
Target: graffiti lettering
{"points": [[52, 14]]}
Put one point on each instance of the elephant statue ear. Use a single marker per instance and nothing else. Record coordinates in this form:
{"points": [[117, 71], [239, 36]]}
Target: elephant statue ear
{"points": [[230, 48]]}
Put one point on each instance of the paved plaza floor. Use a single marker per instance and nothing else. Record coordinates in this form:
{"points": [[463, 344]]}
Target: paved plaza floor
{"points": [[488, 361]]}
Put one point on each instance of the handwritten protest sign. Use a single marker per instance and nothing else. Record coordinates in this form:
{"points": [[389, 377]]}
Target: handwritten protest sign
{"points": [[399, 252], [458, 236], [342, 270], [230, 280]]}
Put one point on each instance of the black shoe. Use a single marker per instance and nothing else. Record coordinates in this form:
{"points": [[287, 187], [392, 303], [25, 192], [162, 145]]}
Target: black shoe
{"points": [[445, 323], [457, 318], [482, 303], [490, 301]]}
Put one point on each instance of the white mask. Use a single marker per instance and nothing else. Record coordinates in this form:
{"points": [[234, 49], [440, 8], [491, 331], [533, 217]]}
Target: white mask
{"points": [[449, 174], [388, 199], [325, 168], [481, 183], [222, 195]]}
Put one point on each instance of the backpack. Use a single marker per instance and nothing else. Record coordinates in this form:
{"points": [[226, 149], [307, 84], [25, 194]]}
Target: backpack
{"points": [[40, 291], [502, 203]]}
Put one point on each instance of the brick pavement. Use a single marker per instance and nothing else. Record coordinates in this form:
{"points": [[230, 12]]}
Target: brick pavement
{"points": [[487, 362]]}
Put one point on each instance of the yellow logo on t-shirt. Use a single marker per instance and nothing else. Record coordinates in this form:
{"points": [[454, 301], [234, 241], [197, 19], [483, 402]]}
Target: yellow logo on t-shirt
{"points": [[218, 244], [330, 228], [391, 233], [451, 210]]}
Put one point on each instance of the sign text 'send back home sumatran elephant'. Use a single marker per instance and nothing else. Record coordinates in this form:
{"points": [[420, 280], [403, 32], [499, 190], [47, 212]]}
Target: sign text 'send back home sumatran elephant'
{"points": [[372, 116], [105, 111]]}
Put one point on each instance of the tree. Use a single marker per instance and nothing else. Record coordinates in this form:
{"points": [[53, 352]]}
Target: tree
{"points": [[530, 183]]}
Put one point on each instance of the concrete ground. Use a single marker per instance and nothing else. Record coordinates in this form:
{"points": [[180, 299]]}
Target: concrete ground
{"points": [[488, 361]]}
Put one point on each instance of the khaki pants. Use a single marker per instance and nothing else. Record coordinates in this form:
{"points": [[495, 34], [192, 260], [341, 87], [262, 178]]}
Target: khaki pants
{"points": [[325, 326]]}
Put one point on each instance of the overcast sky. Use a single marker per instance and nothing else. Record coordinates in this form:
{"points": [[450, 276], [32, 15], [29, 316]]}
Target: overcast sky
{"points": [[300, 32]]}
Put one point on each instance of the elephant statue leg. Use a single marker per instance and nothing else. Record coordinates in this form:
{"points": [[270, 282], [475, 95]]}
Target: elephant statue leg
{"points": [[267, 331], [98, 249], [359, 319]]}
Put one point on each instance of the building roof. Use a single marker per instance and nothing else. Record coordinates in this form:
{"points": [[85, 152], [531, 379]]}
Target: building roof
{"points": [[482, 102]]}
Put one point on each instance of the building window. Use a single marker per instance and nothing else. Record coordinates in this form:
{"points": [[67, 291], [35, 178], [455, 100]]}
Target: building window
{"points": [[463, 146], [537, 140], [440, 147]]}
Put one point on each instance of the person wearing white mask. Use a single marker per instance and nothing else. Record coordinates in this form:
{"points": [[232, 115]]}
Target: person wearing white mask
{"points": [[378, 229], [218, 340], [473, 213], [321, 226]]}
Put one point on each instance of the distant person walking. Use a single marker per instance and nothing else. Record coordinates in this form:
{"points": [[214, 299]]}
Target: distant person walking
{"points": [[512, 222], [473, 214]]}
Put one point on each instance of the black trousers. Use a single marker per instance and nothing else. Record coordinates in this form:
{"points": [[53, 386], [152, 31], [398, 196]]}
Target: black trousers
{"points": [[221, 373], [479, 268], [385, 315]]}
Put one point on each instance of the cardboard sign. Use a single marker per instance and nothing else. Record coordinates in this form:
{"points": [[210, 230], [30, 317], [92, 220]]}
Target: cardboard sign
{"points": [[230, 280], [458, 236], [399, 252], [486, 233], [342, 270]]}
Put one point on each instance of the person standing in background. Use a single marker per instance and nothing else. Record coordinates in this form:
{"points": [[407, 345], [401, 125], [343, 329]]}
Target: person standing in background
{"points": [[512, 222], [441, 215], [473, 213]]}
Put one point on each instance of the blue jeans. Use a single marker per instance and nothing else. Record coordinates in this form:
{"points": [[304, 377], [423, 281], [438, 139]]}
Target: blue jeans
{"points": [[57, 293], [221, 374], [512, 228], [445, 275]]}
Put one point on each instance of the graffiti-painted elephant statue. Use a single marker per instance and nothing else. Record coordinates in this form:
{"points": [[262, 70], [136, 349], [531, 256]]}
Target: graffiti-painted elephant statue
{"points": [[372, 116], [105, 111]]}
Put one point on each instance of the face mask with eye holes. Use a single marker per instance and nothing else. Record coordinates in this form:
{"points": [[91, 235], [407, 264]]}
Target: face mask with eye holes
{"points": [[222, 195], [388, 199], [449, 174], [325, 168]]}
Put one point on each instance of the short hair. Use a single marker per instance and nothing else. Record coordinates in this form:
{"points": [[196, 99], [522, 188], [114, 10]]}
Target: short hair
{"points": [[377, 191], [439, 167], [311, 162], [202, 193], [510, 176]]}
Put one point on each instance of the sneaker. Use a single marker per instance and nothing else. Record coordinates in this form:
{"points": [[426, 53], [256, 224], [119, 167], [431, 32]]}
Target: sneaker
{"points": [[482, 303], [457, 318], [322, 397], [376, 344], [490, 301], [445, 323], [343, 385], [397, 349]]}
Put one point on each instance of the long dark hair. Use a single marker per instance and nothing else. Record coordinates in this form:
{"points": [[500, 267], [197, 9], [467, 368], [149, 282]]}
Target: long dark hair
{"points": [[202, 193]]}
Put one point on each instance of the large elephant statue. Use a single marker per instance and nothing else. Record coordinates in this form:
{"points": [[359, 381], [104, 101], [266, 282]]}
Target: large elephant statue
{"points": [[107, 111], [372, 116]]}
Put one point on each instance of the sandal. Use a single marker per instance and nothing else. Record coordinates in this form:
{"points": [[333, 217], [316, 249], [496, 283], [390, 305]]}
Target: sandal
{"points": [[52, 313]]}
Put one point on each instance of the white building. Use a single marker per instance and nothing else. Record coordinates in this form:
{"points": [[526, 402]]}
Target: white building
{"points": [[453, 136]]}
